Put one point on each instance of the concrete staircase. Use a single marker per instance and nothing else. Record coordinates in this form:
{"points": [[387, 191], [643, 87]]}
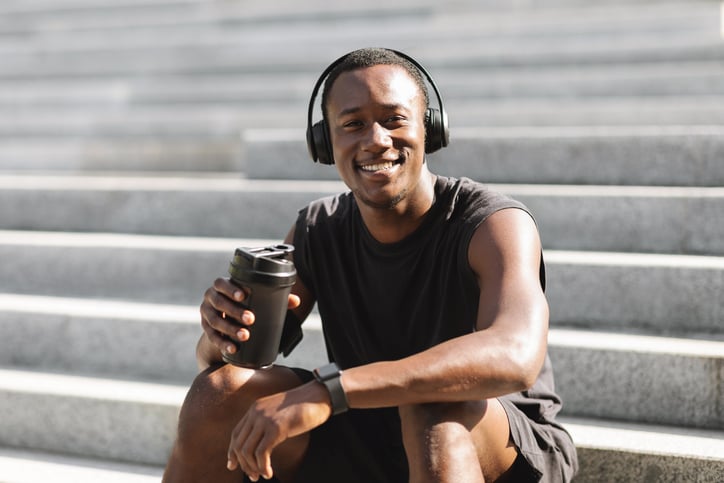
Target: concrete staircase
{"points": [[141, 141]]}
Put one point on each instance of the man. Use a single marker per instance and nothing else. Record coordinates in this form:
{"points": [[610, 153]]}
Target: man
{"points": [[430, 291]]}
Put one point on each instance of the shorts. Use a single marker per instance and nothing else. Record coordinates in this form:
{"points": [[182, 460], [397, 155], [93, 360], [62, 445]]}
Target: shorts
{"points": [[362, 446], [545, 448]]}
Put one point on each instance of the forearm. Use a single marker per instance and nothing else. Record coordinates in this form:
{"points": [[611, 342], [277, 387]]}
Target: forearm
{"points": [[472, 367], [207, 353]]}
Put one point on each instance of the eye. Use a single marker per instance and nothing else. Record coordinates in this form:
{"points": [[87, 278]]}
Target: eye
{"points": [[352, 124], [395, 120]]}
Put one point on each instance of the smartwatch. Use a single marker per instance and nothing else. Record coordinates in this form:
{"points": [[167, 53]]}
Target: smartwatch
{"points": [[329, 376]]}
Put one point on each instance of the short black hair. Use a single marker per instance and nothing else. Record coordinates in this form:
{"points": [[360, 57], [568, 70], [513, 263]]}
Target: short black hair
{"points": [[369, 57]]}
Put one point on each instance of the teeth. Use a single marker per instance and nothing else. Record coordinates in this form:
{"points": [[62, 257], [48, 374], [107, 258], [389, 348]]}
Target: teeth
{"points": [[377, 167]]}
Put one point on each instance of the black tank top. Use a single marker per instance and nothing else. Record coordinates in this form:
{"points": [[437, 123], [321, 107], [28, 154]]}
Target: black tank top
{"points": [[388, 301]]}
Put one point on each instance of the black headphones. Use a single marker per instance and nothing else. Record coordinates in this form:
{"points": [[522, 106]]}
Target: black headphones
{"points": [[437, 133]]}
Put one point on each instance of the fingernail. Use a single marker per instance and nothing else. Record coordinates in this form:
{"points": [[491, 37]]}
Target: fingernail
{"points": [[230, 348], [238, 295]]}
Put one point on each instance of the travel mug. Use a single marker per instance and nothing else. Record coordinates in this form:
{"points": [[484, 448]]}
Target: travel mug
{"points": [[266, 275]]}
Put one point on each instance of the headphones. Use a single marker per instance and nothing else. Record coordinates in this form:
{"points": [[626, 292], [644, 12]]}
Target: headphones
{"points": [[437, 133]]}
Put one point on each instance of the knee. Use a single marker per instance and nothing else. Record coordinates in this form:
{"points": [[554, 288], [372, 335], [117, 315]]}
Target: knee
{"points": [[220, 395], [437, 437], [208, 399]]}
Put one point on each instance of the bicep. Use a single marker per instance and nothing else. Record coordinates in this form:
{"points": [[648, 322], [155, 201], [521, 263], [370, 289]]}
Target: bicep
{"points": [[505, 255]]}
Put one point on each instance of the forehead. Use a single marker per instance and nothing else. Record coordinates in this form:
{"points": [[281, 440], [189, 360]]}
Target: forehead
{"points": [[379, 84]]}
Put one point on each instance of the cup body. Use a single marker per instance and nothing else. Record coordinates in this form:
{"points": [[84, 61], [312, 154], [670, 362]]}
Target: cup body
{"points": [[267, 277]]}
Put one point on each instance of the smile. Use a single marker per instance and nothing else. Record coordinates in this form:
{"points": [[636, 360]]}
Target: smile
{"points": [[377, 167]]}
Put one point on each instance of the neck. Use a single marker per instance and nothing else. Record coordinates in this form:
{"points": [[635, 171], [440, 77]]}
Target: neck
{"points": [[390, 225]]}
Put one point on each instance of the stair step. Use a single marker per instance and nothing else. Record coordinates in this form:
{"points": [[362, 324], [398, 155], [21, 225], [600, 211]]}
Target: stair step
{"points": [[225, 121], [673, 156], [634, 452], [680, 293], [224, 58], [449, 38], [616, 218], [248, 88], [135, 422], [131, 340], [93, 417], [629, 377], [666, 294], [25, 466], [639, 378]]}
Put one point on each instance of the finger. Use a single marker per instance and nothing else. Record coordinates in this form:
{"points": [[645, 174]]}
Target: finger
{"points": [[225, 286], [294, 301], [220, 323], [219, 341], [219, 302], [235, 458], [247, 454], [263, 457]]}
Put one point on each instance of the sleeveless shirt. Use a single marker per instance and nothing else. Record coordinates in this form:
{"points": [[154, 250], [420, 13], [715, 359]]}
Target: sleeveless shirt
{"points": [[387, 301]]}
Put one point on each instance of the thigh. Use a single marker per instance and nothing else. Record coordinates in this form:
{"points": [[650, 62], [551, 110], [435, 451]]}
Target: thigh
{"points": [[491, 436], [432, 431], [216, 401]]}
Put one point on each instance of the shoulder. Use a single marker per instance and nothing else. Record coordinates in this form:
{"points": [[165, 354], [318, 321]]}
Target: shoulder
{"points": [[323, 210], [479, 197], [506, 242], [471, 202]]}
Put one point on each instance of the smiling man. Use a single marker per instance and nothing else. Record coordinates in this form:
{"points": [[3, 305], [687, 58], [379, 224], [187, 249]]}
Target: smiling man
{"points": [[430, 291]]}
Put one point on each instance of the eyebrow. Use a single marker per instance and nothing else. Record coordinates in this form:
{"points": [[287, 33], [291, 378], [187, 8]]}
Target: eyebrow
{"points": [[353, 110]]}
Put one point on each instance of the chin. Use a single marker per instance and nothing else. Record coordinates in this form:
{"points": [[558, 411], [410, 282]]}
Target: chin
{"points": [[387, 204]]}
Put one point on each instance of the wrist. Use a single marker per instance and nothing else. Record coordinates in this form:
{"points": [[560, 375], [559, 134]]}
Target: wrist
{"points": [[330, 377]]}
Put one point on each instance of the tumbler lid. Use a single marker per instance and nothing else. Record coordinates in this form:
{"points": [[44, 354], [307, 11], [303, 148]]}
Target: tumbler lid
{"points": [[264, 264]]}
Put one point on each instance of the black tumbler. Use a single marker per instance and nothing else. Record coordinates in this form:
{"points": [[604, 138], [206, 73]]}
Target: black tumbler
{"points": [[266, 275]]}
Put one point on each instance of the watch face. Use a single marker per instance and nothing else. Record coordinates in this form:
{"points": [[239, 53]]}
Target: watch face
{"points": [[327, 372]]}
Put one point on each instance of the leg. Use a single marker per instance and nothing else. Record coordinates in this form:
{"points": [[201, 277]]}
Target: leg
{"points": [[216, 401], [448, 442]]}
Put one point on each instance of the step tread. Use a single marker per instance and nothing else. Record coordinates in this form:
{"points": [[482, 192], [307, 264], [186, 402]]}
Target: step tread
{"points": [[625, 342], [88, 387], [164, 313], [39, 238], [644, 438], [592, 433], [130, 182], [30, 466]]}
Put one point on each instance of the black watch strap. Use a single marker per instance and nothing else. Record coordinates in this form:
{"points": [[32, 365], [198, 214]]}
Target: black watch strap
{"points": [[329, 375]]}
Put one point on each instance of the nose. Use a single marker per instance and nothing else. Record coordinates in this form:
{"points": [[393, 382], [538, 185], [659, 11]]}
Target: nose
{"points": [[377, 138]]}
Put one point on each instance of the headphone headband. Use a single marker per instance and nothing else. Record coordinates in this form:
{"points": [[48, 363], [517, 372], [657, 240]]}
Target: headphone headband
{"points": [[436, 124]]}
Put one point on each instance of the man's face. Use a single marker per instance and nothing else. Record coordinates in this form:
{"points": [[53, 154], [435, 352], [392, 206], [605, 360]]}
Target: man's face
{"points": [[377, 129]]}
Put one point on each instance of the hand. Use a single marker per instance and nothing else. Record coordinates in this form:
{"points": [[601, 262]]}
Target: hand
{"points": [[222, 314], [272, 420]]}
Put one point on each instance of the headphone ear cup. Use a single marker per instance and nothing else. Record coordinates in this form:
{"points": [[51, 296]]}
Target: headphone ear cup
{"points": [[318, 143], [436, 130]]}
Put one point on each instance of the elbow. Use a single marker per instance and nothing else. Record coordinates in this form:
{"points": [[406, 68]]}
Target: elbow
{"points": [[526, 362], [521, 375], [528, 377]]}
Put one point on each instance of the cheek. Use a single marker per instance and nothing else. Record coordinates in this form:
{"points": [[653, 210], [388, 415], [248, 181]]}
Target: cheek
{"points": [[341, 145]]}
